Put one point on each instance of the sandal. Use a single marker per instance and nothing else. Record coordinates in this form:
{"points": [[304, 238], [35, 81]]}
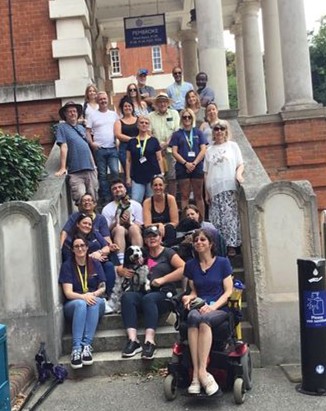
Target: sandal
{"points": [[210, 386], [231, 252], [194, 387]]}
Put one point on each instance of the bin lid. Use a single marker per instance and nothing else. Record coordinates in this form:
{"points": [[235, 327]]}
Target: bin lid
{"points": [[2, 330]]}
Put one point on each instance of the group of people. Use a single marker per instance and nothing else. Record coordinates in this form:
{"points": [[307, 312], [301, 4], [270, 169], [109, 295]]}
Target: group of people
{"points": [[159, 141]]}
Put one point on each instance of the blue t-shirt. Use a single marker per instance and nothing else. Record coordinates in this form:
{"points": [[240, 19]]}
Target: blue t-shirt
{"points": [[79, 157], [69, 275], [181, 139], [142, 173], [99, 224], [209, 283], [95, 243]]}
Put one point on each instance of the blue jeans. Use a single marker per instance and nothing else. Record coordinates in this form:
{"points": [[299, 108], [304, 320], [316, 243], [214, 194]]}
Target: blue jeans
{"points": [[106, 157], [109, 272], [84, 320], [152, 305], [140, 191]]}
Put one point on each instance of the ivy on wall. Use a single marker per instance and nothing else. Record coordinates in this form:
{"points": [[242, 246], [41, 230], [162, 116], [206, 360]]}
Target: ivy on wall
{"points": [[21, 165]]}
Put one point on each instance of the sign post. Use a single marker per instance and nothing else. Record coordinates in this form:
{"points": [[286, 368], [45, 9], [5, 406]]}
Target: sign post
{"points": [[312, 302], [145, 30]]}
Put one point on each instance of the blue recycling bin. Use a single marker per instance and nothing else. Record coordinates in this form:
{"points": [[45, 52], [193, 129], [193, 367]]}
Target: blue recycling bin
{"points": [[4, 373]]}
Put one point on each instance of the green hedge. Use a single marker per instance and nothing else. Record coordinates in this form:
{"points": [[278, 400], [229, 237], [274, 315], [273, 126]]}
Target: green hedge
{"points": [[21, 165]]}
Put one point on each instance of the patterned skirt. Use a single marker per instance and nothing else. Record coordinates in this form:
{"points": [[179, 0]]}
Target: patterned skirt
{"points": [[223, 213]]}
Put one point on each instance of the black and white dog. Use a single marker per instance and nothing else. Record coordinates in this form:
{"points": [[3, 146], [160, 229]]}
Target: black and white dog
{"points": [[136, 260]]}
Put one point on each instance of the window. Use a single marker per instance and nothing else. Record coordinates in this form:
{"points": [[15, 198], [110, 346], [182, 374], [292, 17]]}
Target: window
{"points": [[157, 58], [115, 62]]}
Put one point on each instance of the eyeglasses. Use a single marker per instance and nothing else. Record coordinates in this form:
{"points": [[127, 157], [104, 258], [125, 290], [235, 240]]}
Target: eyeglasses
{"points": [[177, 73], [186, 118], [132, 89], [220, 128], [77, 246]]}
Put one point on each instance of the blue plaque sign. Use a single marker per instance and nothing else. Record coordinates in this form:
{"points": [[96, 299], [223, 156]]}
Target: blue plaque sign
{"points": [[315, 308], [145, 31]]}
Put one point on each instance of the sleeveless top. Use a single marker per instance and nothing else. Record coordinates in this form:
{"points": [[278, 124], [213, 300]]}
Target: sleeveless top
{"points": [[130, 130], [163, 217]]}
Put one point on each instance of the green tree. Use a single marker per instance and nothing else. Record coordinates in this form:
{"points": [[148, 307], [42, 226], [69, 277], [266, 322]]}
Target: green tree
{"points": [[232, 81], [318, 62]]}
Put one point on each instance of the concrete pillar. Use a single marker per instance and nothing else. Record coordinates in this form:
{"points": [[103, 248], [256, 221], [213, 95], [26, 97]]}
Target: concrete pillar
{"points": [[236, 29], [273, 57], [189, 55], [255, 82], [295, 56], [211, 48]]}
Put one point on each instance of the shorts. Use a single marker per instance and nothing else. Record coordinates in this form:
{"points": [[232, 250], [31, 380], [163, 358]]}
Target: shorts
{"points": [[181, 173], [170, 161]]}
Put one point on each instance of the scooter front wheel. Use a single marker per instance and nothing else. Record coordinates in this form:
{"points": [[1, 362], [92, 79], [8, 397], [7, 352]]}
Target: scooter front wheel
{"points": [[170, 387]]}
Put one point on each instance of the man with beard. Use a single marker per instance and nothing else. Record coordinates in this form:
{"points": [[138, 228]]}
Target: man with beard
{"points": [[206, 94]]}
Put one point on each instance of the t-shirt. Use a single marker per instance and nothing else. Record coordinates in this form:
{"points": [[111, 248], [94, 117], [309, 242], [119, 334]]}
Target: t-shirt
{"points": [[161, 265], [79, 157], [99, 224], [180, 139], [206, 95], [109, 212], [220, 163], [142, 172], [102, 124], [95, 243], [69, 275], [209, 283]]}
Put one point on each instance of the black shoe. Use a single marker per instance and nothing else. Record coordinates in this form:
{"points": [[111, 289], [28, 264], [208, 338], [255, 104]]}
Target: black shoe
{"points": [[76, 359], [149, 351], [87, 358], [131, 349]]}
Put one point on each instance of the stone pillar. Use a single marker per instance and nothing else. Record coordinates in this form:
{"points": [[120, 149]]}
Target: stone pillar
{"points": [[72, 48], [255, 82], [189, 55], [236, 29], [273, 57], [211, 48], [295, 56]]}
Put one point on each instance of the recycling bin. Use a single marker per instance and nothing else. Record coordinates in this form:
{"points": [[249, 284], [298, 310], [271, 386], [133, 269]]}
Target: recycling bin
{"points": [[4, 374], [312, 303]]}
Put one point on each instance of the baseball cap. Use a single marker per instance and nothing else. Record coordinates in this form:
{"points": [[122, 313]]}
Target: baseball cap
{"points": [[142, 72], [152, 230]]}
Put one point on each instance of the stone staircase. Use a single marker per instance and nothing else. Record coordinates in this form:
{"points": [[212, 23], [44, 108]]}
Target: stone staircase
{"points": [[110, 338]]}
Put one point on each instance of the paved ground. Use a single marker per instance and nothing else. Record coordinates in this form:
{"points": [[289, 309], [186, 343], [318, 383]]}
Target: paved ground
{"points": [[272, 391]]}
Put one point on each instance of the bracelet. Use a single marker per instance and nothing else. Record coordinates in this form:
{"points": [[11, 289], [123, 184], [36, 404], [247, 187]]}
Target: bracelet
{"points": [[185, 163]]}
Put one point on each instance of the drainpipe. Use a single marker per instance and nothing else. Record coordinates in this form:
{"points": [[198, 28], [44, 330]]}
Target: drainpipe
{"points": [[13, 66]]}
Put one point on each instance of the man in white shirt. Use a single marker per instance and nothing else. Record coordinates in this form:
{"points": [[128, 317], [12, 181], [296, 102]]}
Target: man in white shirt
{"points": [[127, 223], [164, 121], [101, 138]]}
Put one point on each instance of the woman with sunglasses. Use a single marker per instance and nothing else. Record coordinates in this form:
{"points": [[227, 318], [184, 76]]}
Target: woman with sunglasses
{"points": [[125, 128], [211, 117], [192, 101], [210, 278], [223, 167], [189, 148], [83, 283], [140, 106], [144, 160]]}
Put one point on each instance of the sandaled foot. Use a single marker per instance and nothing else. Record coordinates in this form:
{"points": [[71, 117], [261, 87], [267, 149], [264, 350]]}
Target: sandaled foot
{"points": [[231, 252]]}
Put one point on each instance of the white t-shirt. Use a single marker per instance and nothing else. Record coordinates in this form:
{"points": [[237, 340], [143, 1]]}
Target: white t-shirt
{"points": [[102, 124], [220, 163], [109, 212]]}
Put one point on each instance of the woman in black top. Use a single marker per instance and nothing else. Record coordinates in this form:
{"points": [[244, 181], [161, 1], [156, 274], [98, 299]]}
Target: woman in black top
{"points": [[125, 128], [161, 209]]}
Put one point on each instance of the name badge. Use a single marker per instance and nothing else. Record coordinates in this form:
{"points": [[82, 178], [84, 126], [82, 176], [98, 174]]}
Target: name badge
{"points": [[192, 154], [142, 160]]}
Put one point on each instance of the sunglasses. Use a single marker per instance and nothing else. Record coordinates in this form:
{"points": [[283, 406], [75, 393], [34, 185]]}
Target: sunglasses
{"points": [[186, 118], [221, 128], [132, 89], [177, 73]]}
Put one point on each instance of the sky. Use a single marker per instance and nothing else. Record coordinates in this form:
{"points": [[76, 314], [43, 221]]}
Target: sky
{"points": [[314, 10]]}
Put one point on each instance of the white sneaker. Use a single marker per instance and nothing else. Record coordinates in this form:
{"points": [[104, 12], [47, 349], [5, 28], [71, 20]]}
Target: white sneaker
{"points": [[108, 309]]}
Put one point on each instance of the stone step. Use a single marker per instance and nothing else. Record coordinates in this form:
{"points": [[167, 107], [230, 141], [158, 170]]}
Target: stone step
{"points": [[115, 340], [109, 363]]}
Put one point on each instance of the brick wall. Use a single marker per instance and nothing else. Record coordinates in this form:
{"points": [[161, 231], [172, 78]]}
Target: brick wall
{"points": [[33, 32], [293, 150]]}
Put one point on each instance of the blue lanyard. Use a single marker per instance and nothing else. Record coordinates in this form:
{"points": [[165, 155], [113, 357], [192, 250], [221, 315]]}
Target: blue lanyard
{"points": [[190, 140]]}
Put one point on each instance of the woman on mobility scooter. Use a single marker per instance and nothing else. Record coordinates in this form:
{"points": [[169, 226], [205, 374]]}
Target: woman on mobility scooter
{"points": [[210, 278]]}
